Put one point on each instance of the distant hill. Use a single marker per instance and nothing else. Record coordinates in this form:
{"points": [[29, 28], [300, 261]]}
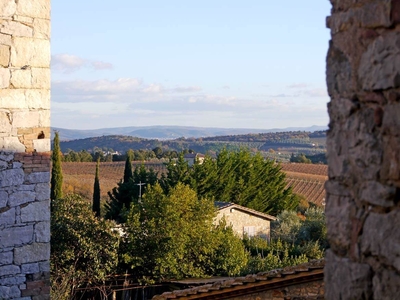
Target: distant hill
{"points": [[170, 132]]}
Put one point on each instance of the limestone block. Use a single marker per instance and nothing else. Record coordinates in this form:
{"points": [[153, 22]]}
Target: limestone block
{"points": [[9, 270], [30, 268], [12, 177], [378, 194], [38, 99], [36, 9], [23, 19], [4, 55], [44, 118], [16, 29], [41, 78], [375, 14], [380, 238], [338, 72], [26, 187], [42, 191], [6, 258], [4, 292], [386, 284], [7, 217], [42, 145], [44, 266], [41, 28], [25, 119], [30, 52], [5, 40], [3, 164], [355, 278], [380, 64], [36, 212], [16, 165], [38, 177], [15, 280], [32, 253], [11, 144], [6, 156], [12, 99], [4, 78], [21, 79], [7, 9], [5, 121], [42, 232], [21, 197], [3, 199], [15, 236]]}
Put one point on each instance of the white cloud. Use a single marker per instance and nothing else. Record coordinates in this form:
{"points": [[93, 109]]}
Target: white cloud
{"points": [[297, 86], [67, 63]]}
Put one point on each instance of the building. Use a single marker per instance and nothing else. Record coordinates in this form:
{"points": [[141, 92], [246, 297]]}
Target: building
{"points": [[191, 158]]}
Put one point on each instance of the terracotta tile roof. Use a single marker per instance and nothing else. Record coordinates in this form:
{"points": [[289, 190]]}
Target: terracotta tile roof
{"points": [[221, 205], [225, 289]]}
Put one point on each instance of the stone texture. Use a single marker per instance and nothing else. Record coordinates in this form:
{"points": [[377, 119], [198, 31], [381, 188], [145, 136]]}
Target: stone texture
{"points": [[42, 232], [21, 197], [7, 8], [36, 212], [30, 268], [42, 191], [7, 217], [21, 79], [39, 177], [30, 52], [12, 236], [41, 28], [6, 258], [4, 78], [380, 64], [11, 177], [41, 78], [16, 29], [14, 280], [32, 253], [36, 9], [11, 144], [4, 55], [386, 284], [9, 270]]}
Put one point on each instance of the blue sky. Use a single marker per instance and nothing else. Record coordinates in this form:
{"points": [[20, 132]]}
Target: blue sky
{"points": [[242, 64]]}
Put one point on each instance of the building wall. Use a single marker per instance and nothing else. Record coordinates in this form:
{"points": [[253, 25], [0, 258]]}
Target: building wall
{"points": [[363, 190], [24, 149], [239, 219]]}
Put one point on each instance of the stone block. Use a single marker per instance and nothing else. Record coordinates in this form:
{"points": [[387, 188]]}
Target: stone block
{"points": [[12, 177], [30, 268], [38, 177], [12, 99], [9, 270], [30, 52], [41, 78], [38, 99], [42, 191], [11, 144], [4, 55], [23, 119], [26, 187], [42, 145], [391, 119], [36, 212], [41, 28], [23, 19], [5, 40], [391, 159], [6, 156], [355, 279], [3, 199], [386, 283], [338, 72], [44, 118], [4, 78], [380, 65], [375, 14], [36, 9], [3, 164], [42, 232], [5, 121], [32, 253], [44, 266], [21, 197], [14, 236], [21, 79], [15, 280], [380, 238], [16, 29], [378, 194], [4, 292], [6, 258], [8, 8], [7, 217]]}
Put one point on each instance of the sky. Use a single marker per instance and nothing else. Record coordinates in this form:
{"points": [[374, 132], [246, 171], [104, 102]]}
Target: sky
{"points": [[209, 63]]}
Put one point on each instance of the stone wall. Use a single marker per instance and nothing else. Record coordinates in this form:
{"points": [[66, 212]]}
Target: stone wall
{"points": [[24, 149], [363, 190]]}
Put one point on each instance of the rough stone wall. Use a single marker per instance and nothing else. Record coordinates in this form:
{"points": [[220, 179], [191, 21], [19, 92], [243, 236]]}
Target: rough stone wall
{"points": [[310, 290], [24, 149], [239, 219], [363, 190]]}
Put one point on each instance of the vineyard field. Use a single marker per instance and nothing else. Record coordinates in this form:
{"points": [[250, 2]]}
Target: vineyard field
{"points": [[305, 179]]}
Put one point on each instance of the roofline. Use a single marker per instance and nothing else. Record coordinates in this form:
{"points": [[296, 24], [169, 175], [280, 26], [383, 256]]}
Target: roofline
{"points": [[249, 210]]}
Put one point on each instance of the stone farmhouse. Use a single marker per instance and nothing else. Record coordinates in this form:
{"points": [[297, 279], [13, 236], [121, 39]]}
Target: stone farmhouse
{"points": [[244, 221], [191, 158]]}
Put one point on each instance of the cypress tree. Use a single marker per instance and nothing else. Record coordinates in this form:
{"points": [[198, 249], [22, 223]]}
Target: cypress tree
{"points": [[128, 168], [96, 191], [56, 171]]}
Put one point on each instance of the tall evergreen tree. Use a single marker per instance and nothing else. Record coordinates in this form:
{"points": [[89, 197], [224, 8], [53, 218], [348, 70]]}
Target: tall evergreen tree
{"points": [[128, 168], [56, 170], [96, 191]]}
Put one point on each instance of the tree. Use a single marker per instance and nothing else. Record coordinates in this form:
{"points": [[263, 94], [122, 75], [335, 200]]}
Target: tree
{"points": [[56, 170], [96, 191], [83, 247]]}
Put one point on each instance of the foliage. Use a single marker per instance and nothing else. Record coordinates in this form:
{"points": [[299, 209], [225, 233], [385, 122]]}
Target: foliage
{"points": [[84, 247], [300, 158], [172, 236], [96, 192], [56, 171]]}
